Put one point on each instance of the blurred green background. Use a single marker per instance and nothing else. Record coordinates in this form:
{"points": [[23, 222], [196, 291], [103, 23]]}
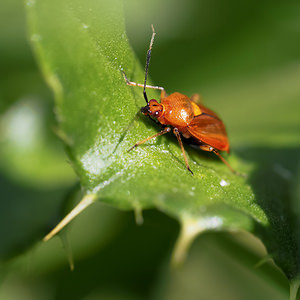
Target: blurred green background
{"points": [[243, 58]]}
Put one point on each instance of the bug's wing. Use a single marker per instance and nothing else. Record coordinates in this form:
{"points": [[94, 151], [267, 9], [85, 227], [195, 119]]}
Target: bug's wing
{"points": [[208, 111], [210, 130]]}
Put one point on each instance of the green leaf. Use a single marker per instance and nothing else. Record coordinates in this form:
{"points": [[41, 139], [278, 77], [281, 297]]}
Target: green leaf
{"points": [[27, 124], [82, 49], [34, 176], [28, 142]]}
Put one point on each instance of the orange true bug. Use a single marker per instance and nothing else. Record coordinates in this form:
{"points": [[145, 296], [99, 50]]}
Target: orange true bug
{"points": [[186, 116]]}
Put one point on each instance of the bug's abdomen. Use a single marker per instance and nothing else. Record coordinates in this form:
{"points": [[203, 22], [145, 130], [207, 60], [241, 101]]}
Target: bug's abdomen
{"points": [[178, 110]]}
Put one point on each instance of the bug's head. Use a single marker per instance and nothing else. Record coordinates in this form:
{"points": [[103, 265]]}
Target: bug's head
{"points": [[153, 109]]}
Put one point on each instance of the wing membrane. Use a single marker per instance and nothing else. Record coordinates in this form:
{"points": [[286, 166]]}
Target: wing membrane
{"points": [[210, 130]]}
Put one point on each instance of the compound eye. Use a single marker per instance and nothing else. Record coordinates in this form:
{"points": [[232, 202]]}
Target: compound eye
{"points": [[157, 114]]}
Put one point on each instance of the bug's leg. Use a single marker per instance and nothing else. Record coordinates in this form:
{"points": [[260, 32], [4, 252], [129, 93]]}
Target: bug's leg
{"points": [[165, 130], [212, 149], [224, 161], [163, 94], [131, 83], [176, 132], [196, 98]]}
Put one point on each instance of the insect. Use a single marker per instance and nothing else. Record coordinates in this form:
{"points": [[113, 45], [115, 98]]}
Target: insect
{"points": [[184, 116]]}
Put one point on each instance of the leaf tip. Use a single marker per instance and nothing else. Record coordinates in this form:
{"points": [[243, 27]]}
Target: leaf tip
{"points": [[138, 213], [263, 261], [294, 287], [68, 250], [189, 230], [86, 201]]}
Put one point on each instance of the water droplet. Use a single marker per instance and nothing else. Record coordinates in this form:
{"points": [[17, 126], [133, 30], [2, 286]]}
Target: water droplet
{"points": [[223, 183], [85, 26]]}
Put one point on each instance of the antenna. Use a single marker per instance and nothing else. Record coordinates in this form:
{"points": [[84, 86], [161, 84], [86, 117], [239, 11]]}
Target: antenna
{"points": [[148, 62]]}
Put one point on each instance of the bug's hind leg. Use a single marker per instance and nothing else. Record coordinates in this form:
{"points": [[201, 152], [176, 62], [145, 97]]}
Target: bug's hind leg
{"points": [[212, 149]]}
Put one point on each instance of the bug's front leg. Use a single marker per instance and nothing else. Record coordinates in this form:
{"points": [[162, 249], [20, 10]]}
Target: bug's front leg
{"points": [[176, 132], [163, 131], [131, 83], [196, 98]]}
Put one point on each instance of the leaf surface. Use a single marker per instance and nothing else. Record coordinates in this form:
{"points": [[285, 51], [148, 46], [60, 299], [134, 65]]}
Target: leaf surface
{"points": [[82, 48]]}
